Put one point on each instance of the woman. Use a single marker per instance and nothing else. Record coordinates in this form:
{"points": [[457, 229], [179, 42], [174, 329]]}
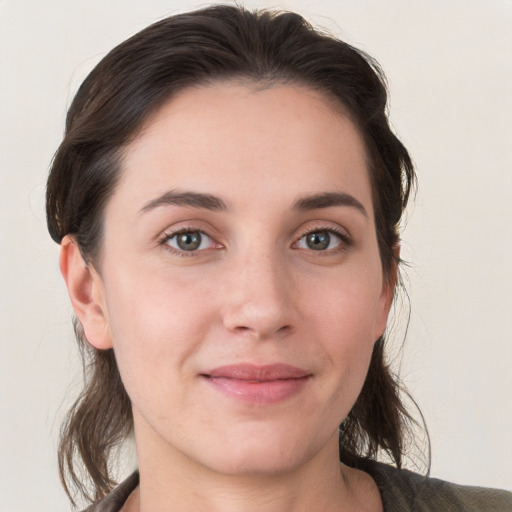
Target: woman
{"points": [[227, 199]]}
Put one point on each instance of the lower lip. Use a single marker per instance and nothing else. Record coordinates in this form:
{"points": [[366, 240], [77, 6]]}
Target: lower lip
{"points": [[258, 392]]}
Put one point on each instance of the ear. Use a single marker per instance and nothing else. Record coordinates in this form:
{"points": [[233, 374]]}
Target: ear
{"points": [[388, 293], [87, 294]]}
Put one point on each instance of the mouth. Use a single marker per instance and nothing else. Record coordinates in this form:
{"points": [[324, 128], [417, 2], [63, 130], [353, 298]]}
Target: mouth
{"points": [[257, 385]]}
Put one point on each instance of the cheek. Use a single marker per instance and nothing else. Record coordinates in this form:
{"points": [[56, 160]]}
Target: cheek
{"points": [[345, 314], [348, 305], [156, 324], [164, 304]]}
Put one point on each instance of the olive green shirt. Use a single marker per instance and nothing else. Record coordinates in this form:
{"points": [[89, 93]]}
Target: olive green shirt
{"points": [[401, 491]]}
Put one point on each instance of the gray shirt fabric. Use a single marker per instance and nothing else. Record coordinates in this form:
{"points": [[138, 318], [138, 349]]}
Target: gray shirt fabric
{"points": [[405, 491], [401, 491]]}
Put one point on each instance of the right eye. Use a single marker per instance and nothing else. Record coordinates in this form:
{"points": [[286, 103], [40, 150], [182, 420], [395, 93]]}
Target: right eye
{"points": [[188, 241]]}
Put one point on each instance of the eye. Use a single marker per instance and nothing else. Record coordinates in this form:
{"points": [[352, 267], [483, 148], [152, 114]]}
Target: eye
{"points": [[320, 240], [189, 241]]}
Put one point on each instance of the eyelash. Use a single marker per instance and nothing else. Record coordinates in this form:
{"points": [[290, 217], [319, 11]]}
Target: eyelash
{"points": [[345, 240], [168, 236]]}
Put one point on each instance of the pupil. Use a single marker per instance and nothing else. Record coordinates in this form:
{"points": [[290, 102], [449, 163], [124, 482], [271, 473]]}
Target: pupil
{"points": [[189, 241], [318, 241]]}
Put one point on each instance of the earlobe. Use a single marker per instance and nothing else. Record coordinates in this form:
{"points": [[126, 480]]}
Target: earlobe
{"points": [[86, 292]]}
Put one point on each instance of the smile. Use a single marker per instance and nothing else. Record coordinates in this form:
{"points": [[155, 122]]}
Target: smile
{"points": [[258, 385]]}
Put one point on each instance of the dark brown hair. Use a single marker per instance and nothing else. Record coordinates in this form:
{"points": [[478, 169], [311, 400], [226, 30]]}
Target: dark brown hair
{"points": [[215, 44]]}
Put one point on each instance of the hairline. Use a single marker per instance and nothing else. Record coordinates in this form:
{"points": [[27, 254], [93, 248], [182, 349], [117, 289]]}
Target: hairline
{"points": [[257, 84]]}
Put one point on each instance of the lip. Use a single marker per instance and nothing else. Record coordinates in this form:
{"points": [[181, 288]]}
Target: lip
{"points": [[258, 385]]}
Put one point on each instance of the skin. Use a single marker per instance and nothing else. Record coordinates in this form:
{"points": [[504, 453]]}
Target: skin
{"points": [[254, 292]]}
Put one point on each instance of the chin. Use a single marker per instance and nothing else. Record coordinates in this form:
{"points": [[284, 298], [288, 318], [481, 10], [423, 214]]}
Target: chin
{"points": [[256, 464], [262, 453]]}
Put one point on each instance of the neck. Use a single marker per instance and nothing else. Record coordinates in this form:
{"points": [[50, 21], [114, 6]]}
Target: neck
{"points": [[322, 483]]}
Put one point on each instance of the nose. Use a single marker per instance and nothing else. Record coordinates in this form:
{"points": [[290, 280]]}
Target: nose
{"points": [[259, 298]]}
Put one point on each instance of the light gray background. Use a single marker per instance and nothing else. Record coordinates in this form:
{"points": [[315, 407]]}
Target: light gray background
{"points": [[450, 74]]}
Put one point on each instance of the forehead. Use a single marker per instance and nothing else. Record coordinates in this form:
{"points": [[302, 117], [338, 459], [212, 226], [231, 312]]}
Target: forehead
{"points": [[247, 142]]}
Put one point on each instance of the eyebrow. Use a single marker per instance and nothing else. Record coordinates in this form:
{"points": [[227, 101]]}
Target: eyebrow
{"points": [[214, 203], [192, 199], [327, 200]]}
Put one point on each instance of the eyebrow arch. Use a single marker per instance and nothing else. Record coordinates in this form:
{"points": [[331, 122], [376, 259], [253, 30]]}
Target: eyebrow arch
{"points": [[328, 199], [183, 198]]}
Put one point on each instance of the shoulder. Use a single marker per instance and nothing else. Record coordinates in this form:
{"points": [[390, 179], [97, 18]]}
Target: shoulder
{"points": [[114, 501], [405, 491]]}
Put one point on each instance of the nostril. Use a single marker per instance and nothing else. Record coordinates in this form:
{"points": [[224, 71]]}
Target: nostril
{"points": [[261, 318]]}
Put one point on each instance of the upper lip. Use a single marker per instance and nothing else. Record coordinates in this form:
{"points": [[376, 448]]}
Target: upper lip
{"points": [[252, 372]]}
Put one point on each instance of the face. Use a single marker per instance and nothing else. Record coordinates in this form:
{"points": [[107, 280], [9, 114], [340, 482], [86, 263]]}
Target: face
{"points": [[240, 282]]}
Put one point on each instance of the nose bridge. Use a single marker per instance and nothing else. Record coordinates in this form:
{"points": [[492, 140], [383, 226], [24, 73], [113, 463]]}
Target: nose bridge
{"points": [[258, 298]]}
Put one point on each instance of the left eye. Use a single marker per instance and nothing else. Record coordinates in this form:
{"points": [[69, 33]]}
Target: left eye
{"points": [[189, 241], [320, 241]]}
